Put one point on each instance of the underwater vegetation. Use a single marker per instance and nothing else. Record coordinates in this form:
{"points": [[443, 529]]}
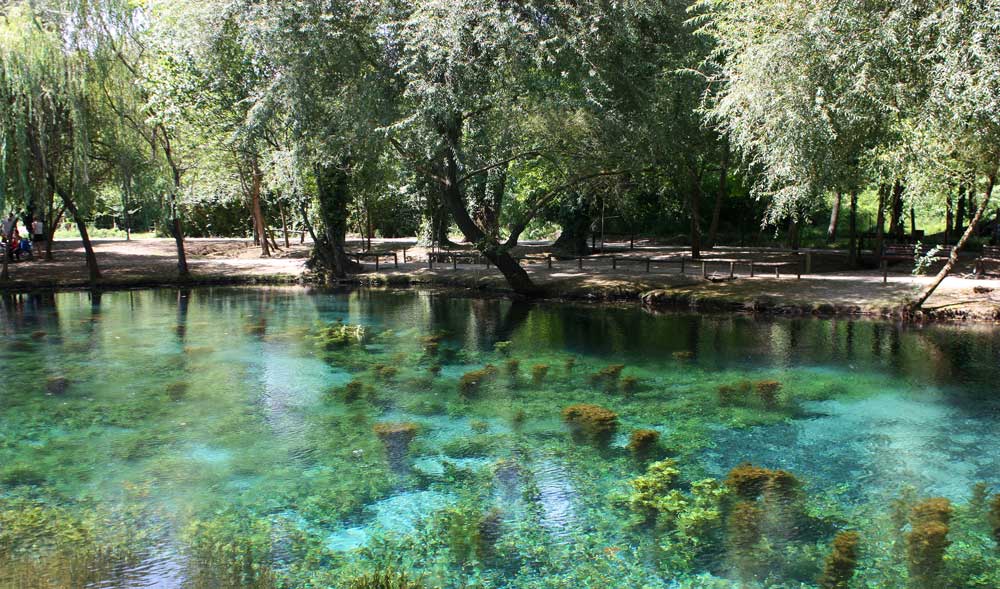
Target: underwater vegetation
{"points": [[995, 517], [471, 382], [340, 335], [470, 532], [591, 423], [838, 570], [607, 377], [927, 541], [428, 456], [387, 579], [643, 442], [538, 373]]}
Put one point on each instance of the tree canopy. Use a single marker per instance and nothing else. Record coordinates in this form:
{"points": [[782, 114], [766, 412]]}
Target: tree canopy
{"points": [[712, 119]]}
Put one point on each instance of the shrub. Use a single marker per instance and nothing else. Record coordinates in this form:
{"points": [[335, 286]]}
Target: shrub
{"points": [[841, 562], [591, 423]]}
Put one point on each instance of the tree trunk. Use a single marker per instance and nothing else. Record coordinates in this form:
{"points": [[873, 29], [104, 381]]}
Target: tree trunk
{"points": [[960, 210], [720, 196], [896, 217], [88, 248], [953, 258], [852, 252], [949, 219], [694, 206], [793, 234], [284, 223], [454, 200], [256, 177], [913, 221], [572, 241], [883, 198], [831, 231], [176, 230], [332, 185]]}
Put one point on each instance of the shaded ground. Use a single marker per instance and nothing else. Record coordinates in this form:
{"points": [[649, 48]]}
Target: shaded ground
{"points": [[826, 288], [154, 261]]}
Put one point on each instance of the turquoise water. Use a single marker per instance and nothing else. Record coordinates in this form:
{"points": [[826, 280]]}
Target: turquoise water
{"points": [[230, 438]]}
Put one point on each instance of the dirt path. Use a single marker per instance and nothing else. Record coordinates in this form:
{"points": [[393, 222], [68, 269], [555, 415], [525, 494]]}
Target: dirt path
{"points": [[825, 289]]}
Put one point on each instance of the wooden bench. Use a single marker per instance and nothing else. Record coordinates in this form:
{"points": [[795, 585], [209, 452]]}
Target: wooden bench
{"points": [[377, 256], [990, 255], [469, 257], [799, 265], [895, 252]]}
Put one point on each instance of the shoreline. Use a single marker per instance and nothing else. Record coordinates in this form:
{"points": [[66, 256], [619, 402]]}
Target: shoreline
{"points": [[829, 291], [691, 295]]}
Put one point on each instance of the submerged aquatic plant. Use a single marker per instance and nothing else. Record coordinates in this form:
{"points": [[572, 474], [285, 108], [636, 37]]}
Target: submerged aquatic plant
{"points": [[734, 394], [747, 480], [538, 373], [840, 565], [683, 355], [570, 364], [643, 442], [469, 533], [502, 348], [513, 370], [591, 423], [630, 385], [339, 335], [607, 377], [995, 517], [655, 491], [387, 579], [396, 432], [744, 537], [927, 541], [767, 391], [471, 382]]}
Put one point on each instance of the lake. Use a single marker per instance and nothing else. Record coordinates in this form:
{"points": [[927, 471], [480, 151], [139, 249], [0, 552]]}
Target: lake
{"points": [[284, 437]]}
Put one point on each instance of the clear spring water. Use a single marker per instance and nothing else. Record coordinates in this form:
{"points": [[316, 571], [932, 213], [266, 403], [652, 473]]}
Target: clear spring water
{"points": [[209, 438]]}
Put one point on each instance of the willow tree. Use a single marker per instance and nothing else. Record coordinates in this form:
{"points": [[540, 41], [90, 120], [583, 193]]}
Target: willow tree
{"points": [[47, 113], [786, 95]]}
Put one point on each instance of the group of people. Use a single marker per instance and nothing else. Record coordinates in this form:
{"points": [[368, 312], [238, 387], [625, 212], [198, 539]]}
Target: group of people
{"points": [[16, 245]]}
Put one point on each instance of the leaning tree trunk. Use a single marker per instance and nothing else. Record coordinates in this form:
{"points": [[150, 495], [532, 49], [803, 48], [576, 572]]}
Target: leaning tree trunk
{"points": [[93, 271], [451, 193], [831, 231], [953, 258]]}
